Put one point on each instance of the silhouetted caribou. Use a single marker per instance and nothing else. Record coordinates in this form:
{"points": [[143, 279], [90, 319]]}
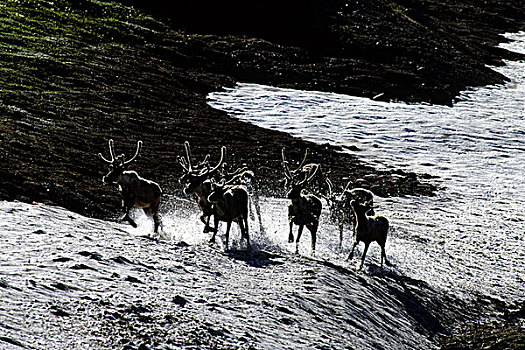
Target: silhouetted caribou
{"points": [[135, 191], [304, 209], [230, 203], [341, 211], [369, 229], [197, 181]]}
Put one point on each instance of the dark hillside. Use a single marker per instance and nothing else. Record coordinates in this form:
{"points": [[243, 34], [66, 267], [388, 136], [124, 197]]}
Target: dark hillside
{"points": [[415, 50], [76, 74]]}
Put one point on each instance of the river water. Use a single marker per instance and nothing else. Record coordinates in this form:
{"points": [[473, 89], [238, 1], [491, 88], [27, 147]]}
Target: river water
{"points": [[470, 238]]}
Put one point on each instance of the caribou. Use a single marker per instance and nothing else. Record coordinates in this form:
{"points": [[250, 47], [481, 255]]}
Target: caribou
{"points": [[135, 191], [197, 181], [246, 177], [367, 230], [341, 211], [230, 203], [304, 209]]}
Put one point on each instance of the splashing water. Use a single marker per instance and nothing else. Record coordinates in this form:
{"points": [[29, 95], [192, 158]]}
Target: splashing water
{"points": [[470, 237]]}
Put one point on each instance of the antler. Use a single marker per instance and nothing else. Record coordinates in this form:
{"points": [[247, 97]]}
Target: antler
{"points": [[302, 162], [340, 198], [205, 162], [188, 155], [184, 164], [330, 187], [239, 175], [111, 153], [287, 173], [139, 147], [223, 153]]}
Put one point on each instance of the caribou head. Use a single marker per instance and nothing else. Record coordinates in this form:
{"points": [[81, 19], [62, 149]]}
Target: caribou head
{"points": [[301, 168], [296, 186], [195, 176], [118, 164]]}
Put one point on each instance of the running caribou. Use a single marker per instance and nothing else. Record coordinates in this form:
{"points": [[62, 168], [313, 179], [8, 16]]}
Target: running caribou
{"points": [[304, 209], [369, 229], [197, 181], [341, 211], [135, 191], [246, 177], [230, 203]]}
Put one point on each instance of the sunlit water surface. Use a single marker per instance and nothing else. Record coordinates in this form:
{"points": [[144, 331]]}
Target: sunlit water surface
{"points": [[467, 239]]}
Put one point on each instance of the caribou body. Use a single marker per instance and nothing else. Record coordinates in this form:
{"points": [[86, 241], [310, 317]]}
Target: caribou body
{"points": [[369, 229], [341, 212], [304, 209], [135, 191], [230, 203], [244, 176]]}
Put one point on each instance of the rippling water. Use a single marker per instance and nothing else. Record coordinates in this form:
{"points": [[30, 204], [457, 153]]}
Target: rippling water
{"points": [[471, 236]]}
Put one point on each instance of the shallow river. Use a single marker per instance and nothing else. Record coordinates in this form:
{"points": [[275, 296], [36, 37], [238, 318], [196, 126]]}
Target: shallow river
{"points": [[471, 236], [71, 282]]}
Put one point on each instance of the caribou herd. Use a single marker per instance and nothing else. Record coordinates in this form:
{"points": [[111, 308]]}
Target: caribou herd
{"points": [[226, 196]]}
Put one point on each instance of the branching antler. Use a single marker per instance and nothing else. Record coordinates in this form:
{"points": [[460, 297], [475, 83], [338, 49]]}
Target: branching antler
{"points": [[287, 172], [111, 153], [312, 175], [121, 157], [139, 147]]}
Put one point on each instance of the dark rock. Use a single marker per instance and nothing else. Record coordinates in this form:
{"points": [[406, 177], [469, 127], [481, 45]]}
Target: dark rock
{"points": [[82, 267], [94, 256], [55, 310], [180, 300], [121, 260], [133, 280], [12, 342], [62, 259]]}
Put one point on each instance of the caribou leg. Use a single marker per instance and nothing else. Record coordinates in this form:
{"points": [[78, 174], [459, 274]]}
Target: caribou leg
{"points": [[341, 223], [128, 204], [364, 255], [352, 251], [156, 220], [383, 255], [290, 236], [153, 212], [228, 226], [299, 233], [206, 222], [130, 220], [216, 221], [313, 230], [243, 224]]}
